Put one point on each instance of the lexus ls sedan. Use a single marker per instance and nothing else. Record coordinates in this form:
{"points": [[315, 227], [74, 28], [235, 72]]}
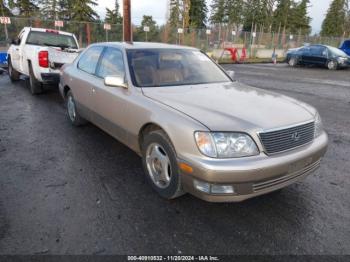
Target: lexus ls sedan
{"points": [[196, 129]]}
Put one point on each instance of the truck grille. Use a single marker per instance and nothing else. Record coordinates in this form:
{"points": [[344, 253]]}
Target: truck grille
{"points": [[285, 139]]}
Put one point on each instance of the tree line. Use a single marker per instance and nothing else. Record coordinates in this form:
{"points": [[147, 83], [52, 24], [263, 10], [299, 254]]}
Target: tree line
{"points": [[279, 16], [247, 15]]}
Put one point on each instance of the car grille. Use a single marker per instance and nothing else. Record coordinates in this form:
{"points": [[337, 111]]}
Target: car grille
{"points": [[286, 178], [286, 139]]}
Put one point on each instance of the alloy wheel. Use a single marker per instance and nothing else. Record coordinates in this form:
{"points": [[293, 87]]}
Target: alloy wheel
{"points": [[158, 165]]}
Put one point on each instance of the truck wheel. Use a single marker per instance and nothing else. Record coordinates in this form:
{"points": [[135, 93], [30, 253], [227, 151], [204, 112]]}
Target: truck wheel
{"points": [[13, 74], [160, 165], [34, 85], [73, 113]]}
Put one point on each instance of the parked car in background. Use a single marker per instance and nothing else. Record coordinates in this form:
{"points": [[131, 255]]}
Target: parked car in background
{"points": [[39, 54], [197, 130], [319, 55], [3, 61], [345, 46]]}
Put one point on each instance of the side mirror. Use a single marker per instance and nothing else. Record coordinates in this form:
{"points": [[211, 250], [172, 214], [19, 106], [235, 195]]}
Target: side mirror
{"points": [[15, 41], [231, 74], [115, 81]]}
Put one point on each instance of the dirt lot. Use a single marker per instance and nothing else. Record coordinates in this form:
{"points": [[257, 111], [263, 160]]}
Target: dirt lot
{"points": [[66, 190]]}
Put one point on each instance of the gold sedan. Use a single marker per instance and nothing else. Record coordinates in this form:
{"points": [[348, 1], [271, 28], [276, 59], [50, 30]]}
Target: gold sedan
{"points": [[196, 129]]}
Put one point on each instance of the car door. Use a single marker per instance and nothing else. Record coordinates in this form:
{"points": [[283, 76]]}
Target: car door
{"points": [[305, 55], [110, 103], [84, 78], [318, 55]]}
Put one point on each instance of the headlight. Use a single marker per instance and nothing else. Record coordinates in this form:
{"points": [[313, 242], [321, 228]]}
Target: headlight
{"points": [[318, 125], [341, 60], [225, 145]]}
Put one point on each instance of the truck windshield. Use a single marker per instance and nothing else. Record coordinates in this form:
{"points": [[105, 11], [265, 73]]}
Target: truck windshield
{"points": [[51, 39], [172, 67]]}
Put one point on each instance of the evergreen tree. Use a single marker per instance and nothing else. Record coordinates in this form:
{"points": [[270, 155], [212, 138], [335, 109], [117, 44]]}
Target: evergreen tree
{"points": [[299, 21], [218, 13], [82, 10], [198, 13], [113, 16], [152, 35], [175, 14], [282, 15], [50, 9], [257, 13], [4, 10], [65, 7], [334, 23], [27, 8], [234, 11]]}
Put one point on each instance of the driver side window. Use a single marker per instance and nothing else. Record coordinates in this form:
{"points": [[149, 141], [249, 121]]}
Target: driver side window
{"points": [[112, 63]]}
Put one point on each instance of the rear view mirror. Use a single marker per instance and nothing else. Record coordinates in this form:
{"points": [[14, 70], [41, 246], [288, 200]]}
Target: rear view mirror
{"points": [[115, 81], [231, 74]]}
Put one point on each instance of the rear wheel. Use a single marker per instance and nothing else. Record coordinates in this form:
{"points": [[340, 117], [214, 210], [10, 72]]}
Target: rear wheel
{"points": [[34, 85], [160, 165], [13, 74], [332, 65], [73, 114]]}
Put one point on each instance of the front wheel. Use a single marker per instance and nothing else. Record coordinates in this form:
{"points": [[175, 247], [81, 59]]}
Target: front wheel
{"points": [[332, 65], [160, 165], [13, 74]]}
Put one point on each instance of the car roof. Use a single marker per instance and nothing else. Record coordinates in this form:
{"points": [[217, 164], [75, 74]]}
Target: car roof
{"points": [[144, 45]]}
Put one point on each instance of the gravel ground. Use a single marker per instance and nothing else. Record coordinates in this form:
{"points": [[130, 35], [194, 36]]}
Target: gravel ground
{"points": [[67, 190]]}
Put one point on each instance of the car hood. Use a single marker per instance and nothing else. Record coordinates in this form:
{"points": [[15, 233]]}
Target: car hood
{"points": [[233, 106]]}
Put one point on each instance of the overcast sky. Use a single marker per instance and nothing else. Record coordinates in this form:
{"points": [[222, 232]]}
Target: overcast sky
{"points": [[157, 8]]}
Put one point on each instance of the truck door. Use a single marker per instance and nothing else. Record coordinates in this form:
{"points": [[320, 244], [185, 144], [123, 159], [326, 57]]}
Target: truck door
{"points": [[16, 52]]}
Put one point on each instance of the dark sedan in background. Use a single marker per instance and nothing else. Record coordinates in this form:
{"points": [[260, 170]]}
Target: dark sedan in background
{"points": [[318, 55]]}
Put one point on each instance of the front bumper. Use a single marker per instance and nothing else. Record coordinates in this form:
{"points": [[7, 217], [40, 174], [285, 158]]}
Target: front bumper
{"points": [[254, 176]]}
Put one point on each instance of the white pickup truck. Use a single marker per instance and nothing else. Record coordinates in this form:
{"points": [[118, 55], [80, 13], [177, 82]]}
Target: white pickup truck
{"points": [[39, 54]]}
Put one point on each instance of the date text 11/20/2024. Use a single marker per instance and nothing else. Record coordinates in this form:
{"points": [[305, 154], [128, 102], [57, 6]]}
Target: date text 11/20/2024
{"points": [[173, 258]]}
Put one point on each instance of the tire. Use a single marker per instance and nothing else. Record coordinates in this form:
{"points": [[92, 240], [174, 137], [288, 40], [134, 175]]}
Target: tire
{"points": [[13, 74], [34, 85], [332, 65], [293, 62], [75, 118], [163, 175]]}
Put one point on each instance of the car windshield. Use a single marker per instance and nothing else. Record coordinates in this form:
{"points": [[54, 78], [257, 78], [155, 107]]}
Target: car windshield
{"points": [[337, 51], [51, 39], [172, 67]]}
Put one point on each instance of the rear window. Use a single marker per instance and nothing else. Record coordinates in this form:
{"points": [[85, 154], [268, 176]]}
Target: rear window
{"points": [[51, 39]]}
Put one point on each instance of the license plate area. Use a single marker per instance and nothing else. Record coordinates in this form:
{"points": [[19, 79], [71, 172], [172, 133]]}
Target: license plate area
{"points": [[299, 165]]}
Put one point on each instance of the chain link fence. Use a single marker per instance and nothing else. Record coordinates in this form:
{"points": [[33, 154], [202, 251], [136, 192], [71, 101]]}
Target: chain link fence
{"points": [[208, 39]]}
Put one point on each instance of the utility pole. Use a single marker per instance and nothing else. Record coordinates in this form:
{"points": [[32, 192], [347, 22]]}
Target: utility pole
{"points": [[127, 34]]}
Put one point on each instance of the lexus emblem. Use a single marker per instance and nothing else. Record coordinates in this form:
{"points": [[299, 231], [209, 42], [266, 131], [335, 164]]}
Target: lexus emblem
{"points": [[295, 136]]}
